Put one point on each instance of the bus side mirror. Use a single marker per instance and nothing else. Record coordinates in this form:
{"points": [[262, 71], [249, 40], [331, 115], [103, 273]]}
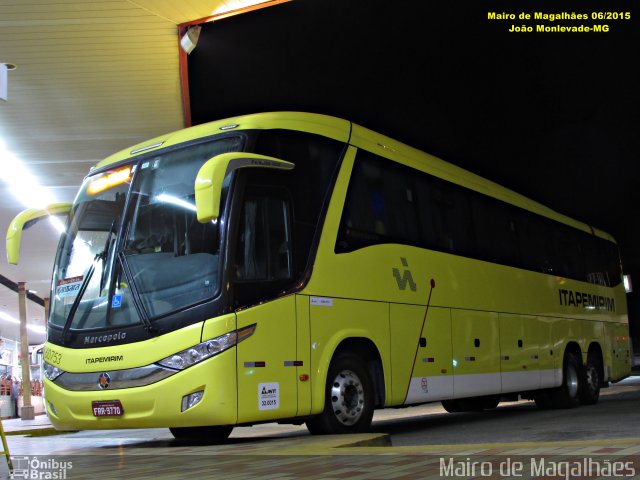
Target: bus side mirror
{"points": [[208, 186], [26, 219]]}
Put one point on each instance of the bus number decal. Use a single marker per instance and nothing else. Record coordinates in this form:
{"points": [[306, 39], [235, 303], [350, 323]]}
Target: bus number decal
{"points": [[268, 396], [52, 357]]}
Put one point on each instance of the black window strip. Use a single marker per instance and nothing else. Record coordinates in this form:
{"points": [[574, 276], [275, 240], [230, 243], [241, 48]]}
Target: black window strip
{"points": [[391, 203]]}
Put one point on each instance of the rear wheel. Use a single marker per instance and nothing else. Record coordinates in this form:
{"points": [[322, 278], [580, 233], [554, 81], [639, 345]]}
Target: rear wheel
{"points": [[543, 400], [566, 395], [201, 434], [348, 405], [590, 382]]}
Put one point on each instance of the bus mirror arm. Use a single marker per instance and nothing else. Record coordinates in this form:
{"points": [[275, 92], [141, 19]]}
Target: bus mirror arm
{"points": [[208, 185], [26, 219]]}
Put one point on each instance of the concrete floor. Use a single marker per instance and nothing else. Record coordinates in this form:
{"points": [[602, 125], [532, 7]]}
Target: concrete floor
{"points": [[405, 443]]}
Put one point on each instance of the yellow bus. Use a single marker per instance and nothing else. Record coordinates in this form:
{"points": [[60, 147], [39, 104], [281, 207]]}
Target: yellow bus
{"points": [[301, 268]]}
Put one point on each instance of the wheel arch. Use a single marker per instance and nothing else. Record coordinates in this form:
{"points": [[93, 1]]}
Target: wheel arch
{"points": [[574, 349], [369, 352], [361, 345]]}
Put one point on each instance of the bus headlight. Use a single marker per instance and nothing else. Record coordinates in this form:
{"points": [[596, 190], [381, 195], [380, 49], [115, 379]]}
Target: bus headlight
{"points": [[51, 372], [204, 350]]}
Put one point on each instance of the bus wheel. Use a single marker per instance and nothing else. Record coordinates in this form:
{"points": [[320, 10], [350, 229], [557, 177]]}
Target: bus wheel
{"points": [[348, 404], [543, 400], [489, 402], [567, 395], [201, 434], [474, 404], [451, 406], [590, 382]]}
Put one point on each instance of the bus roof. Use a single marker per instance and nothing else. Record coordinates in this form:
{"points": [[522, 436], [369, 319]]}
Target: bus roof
{"points": [[325, 125]]}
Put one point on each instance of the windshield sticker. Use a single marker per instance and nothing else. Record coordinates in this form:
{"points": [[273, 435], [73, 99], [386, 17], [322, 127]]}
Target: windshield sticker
{"points": [[68, 287], [269, 396], [116, 301]]}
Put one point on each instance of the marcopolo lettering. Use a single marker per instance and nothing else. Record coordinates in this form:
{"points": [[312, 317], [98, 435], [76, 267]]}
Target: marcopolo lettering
{"points": [[589, 301], [112, 358], [104, 338]]}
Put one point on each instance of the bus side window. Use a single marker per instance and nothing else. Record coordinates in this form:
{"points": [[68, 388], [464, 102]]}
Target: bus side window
{"points": [[380, 205], [446, 216]]}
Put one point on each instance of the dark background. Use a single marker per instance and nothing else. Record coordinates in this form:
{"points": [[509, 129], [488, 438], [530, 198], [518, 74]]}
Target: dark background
{"points": [[554, 116]]}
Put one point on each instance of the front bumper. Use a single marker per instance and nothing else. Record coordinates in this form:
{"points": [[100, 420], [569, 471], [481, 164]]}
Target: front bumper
{"points": [[155, 405]]}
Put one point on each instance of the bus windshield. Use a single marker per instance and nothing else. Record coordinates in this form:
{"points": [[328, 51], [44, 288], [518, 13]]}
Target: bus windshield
{"points": [[117, 268]]}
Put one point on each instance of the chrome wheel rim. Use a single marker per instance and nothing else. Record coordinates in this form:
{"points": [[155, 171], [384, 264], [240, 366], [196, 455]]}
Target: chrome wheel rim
{"points": [[347, 397]]}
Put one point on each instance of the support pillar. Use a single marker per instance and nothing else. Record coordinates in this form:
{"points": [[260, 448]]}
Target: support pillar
{"points": [[27, 410]]}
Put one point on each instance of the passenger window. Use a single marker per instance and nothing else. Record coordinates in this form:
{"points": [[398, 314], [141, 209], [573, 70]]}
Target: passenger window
{"points": [[391, 203], [495, 226], [445, 215], [380, 207]]}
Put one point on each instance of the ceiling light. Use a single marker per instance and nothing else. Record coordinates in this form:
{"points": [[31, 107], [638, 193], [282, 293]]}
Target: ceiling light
{"points": [[22, 185], [37, 328], [232, 5], [8, 318], [33, 328], [57, 224], [164, 198]]}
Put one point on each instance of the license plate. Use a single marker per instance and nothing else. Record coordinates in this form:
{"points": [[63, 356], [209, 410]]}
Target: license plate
{"points": [[108, 408]]}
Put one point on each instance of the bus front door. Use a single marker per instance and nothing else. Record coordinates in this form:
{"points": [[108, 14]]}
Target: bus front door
{"points": [[267, 373], [263, 269]]}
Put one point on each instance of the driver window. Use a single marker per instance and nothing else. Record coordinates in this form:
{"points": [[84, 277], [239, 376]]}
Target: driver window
{"points": [[264, 250]]}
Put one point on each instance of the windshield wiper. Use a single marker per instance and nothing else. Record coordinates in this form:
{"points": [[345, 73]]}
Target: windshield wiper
{"points": [[76, 301], [103, 255], [137, 302]]}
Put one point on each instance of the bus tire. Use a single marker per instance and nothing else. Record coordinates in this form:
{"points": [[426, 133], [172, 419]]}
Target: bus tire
{"points": [[543, 400], [348, 404], [490, 402], [474, 404], [590, 382], [201, 434], [567, 395], [451, 406]]}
